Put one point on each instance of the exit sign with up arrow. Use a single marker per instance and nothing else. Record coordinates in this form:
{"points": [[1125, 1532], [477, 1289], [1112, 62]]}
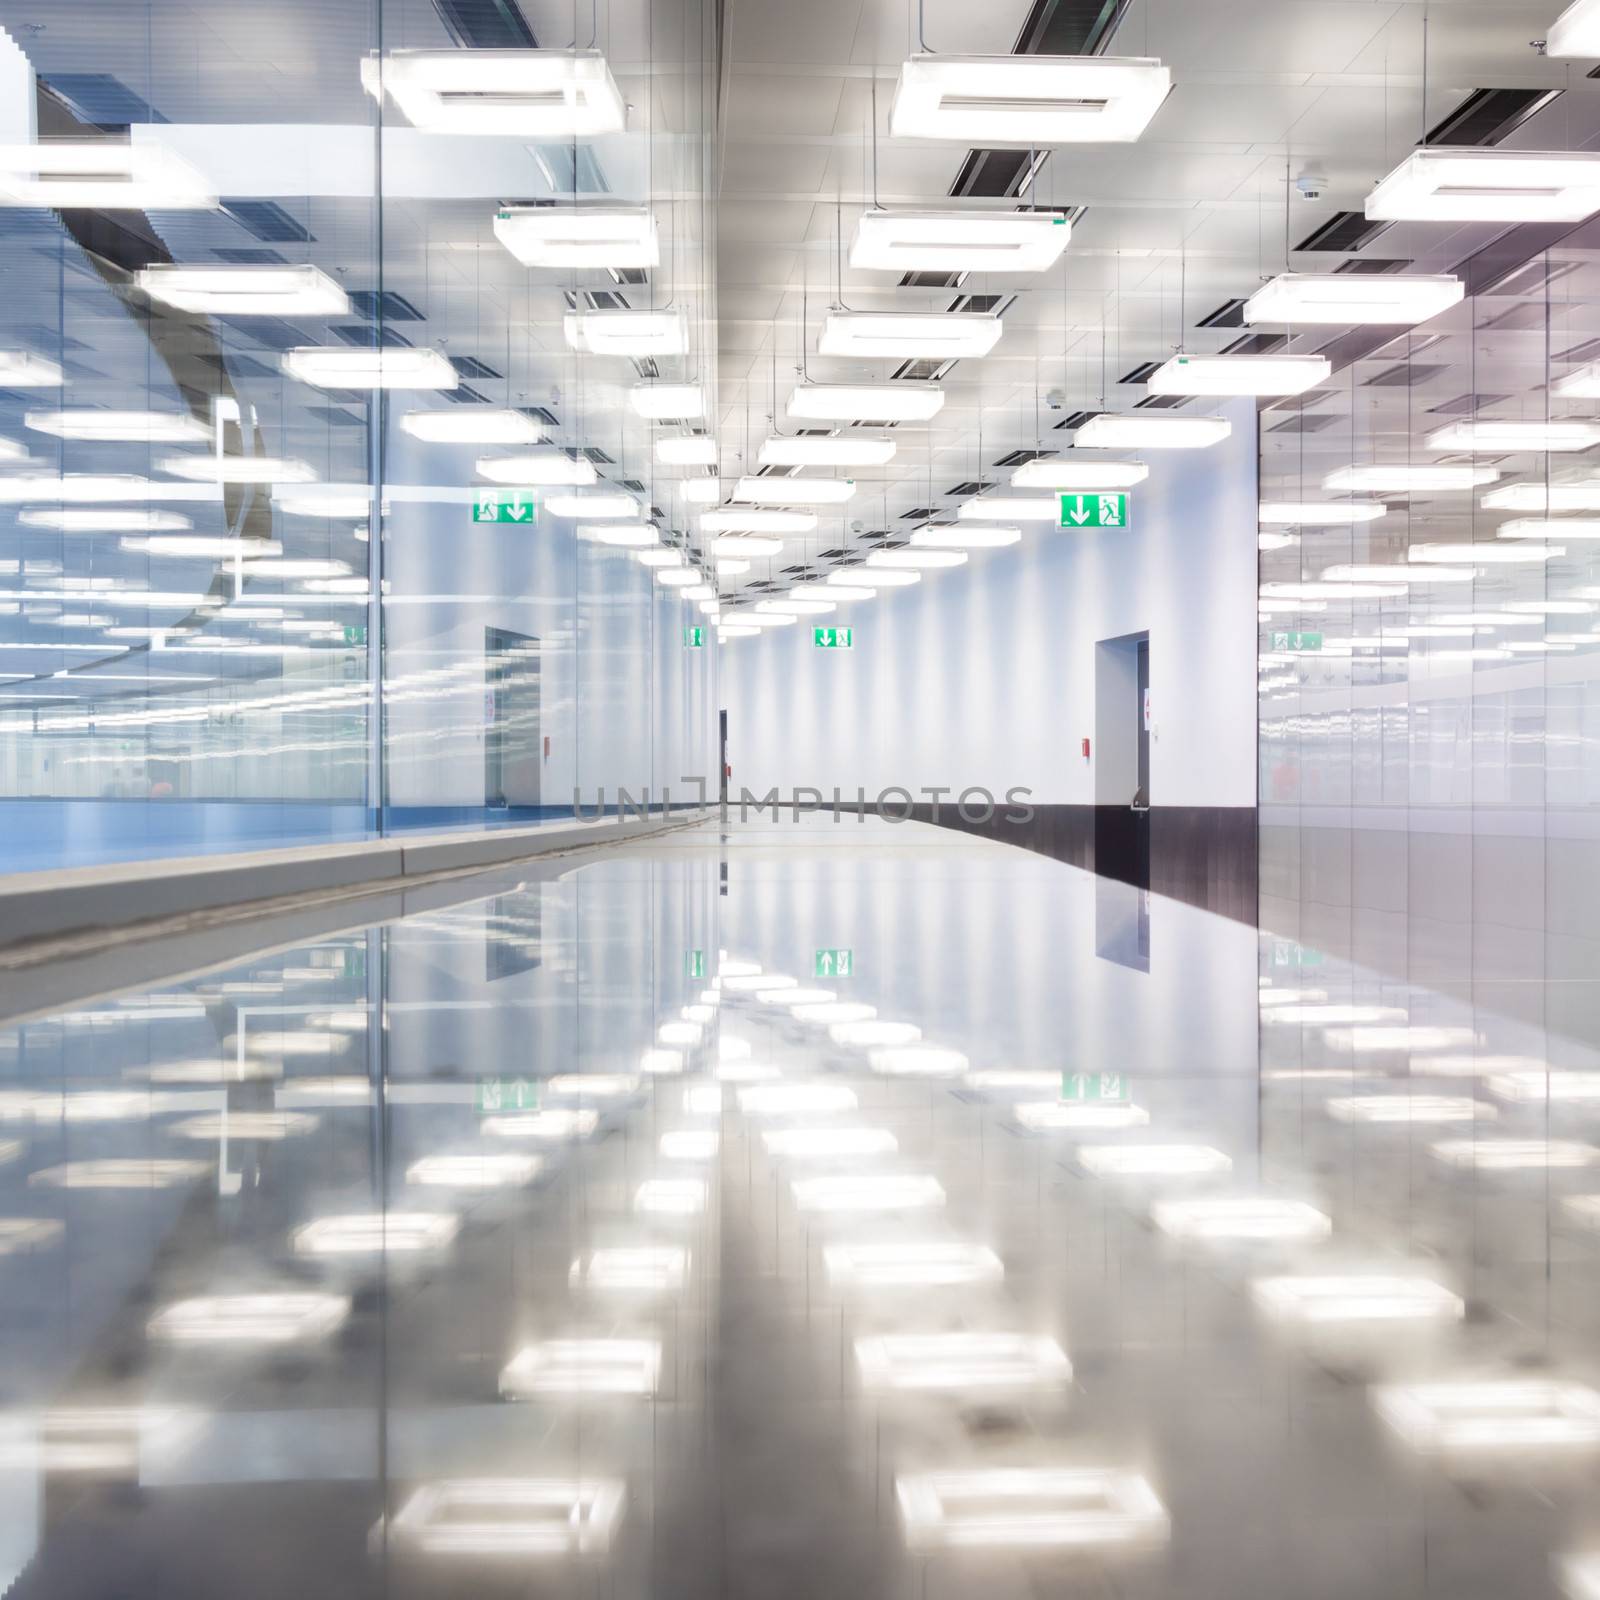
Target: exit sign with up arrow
{"points": [[504, 505], [1094, 511]]}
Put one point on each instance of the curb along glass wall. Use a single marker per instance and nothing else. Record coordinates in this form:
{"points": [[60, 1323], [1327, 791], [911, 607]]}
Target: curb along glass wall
{"points": [[262, 353], [1428, 762]]}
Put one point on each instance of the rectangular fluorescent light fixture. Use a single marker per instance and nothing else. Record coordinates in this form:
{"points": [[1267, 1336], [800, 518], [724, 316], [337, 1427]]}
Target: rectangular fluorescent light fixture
{"points": [[1145, 431], [890, 559], [626, 332], [140, 427], [899, 335], [119, 1173], [624, 535], [1056, 1116], [1010, 508], [738, 520], [663, 401], [1581, 384], [865, 402], [100, 174], [1242, 1217], [1518, 552], [560, 237], [670, 1197], [1241, 375], [21, 370], [1079, 475], [959, 241], [1336, 1298], [1027, 100], [582, 1366], [1439, 184], [868, 1191], [828, 1144], [1407, 1108], [963, 1363], [238, 469], [780, 491], [538, 94], [363, 1233], [687, 452], [538, 468], [554, 1125], [343, 500], [632, 1269], [1152, 1160], [472, 425], [328, 368], [601, 506], [1408, 478], [473, 1171], [1576, 32], [1540, 1086], [1352, 298], [802, 451], [1029, 1508], [917, 1061], [1487, 434], [1514, 1155], [1511, 1414], [911, 1264], [1318, 514], [250, 1319], [796, 1099], [988, 536], [1542, 497], [271, 291], [521, 1517], [689, 1144]]}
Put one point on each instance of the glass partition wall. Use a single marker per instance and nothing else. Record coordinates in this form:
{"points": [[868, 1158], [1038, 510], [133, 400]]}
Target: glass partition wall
{"points": [[1429, 661], [334, 354]]}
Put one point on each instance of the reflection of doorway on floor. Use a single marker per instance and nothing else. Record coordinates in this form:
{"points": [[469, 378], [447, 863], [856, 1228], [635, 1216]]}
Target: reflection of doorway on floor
{"points": [[512, 753]]}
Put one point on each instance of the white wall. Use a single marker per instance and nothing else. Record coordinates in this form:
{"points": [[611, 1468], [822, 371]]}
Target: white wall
{"points": [[985, 675]]}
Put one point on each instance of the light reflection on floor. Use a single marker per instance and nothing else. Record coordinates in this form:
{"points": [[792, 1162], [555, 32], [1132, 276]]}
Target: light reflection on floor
{"points": [[833, 1209]]}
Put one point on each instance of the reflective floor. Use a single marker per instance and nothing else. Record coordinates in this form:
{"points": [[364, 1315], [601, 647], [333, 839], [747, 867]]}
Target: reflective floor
{"points": [[841, 1209]]}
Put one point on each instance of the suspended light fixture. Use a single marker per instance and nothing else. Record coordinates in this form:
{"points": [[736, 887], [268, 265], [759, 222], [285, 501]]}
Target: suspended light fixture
{"points": [[1515, 553], [925, 335], [1352, 298], [959, 241], [1438, 184], [324, 500], [109, 520], [1576, 32], [547, 94], [142, 427], [1405, 478], [1489, 434], [1027, 100], [911, 401], [1241, 375], [853, 590], [917, 558], [1079, 475], [472, 425], [626, 535], [779, 491], [805, 451], [329, 368], [560, 237], [1013, 508], [691, 451], [271, 291], [626, 332], [701, 491], [935, 536], [1583, 495], [1146, 431], [238, 469], [736, 520], [663, 401], [1582, 384], [1549, 528], [1314, 514], [786, 607], [21, 370], [745, 545], [100, 175], [602, 505], [660, 558], [881, 577], [537, 468]]}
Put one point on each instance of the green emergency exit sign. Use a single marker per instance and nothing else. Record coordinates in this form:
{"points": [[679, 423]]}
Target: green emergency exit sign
{"points": [[1096, 1087], [694, 963], [1094, 511], [694, 638], [504, 505], [507, 1094], [834, 638], [834, 963], [1293, 640]]}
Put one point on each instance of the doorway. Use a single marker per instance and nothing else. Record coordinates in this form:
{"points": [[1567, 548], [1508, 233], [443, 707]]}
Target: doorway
{"points": [[1122, 758], [512, 746]]}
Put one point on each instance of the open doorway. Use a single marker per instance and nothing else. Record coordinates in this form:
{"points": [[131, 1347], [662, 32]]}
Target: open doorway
{"points": [[1122, 758], [512, 745]]}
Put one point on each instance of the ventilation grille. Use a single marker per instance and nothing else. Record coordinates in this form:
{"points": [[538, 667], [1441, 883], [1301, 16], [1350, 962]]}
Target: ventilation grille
{"points": [[486, 24], [1141, 373], [358, 334], [1256, 344], [1372, 266], [1342, 233], [464, 395], [472, 367], [1487, 116], [1161, 402], [1407, 375], [1230, 314], [933, 280], [1077, 419], [384, 304], [1019, 458], [101, 100], [1466, 405], [268, 221]]}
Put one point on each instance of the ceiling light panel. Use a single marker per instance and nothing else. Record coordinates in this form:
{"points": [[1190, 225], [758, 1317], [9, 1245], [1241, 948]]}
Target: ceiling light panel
{"points": [[626, 332], [1079, 475], [537, 468], [335, 368], [1314, 514], [1487, 434], [1437, 184], [865, 402], [552, 94], [1010, 508], [561, 237], [1352, 298], [660, 401], [688, 452], [897, 335], [100, 174], [1404, 478], [271, 291], [959, 241], [21, 370], [736, 520], [1576, 32], [795, 491], [142, 427], [1239, 375], [1027, 99], [802, 451], [1146, 431], [472, 425]]}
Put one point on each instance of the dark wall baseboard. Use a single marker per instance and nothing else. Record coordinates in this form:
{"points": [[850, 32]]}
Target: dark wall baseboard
{"points": [[1205, 856]]}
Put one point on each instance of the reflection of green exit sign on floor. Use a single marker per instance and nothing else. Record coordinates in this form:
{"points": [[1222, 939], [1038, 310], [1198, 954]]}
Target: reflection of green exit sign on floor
{"points": [[694, 637], [834, 964], [1094, 511], [694, 963], [1095, 1086], [355, 633], [504, 505], [508, 1094], [1296, 641], [834, 638]]}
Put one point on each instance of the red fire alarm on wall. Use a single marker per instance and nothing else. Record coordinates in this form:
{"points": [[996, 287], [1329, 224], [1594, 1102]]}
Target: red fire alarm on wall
{"points": [[1085, 749]]}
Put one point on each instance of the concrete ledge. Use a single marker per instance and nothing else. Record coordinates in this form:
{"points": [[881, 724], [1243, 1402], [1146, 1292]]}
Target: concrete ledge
{"points": [[82, 900]]}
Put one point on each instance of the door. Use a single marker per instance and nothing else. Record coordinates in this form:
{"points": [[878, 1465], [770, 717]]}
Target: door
{"points": [[512, 748]]}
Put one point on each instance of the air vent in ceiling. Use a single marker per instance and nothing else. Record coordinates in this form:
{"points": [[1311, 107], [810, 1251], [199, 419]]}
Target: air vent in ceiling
{"points": [[336, 418], [1305, 422], [1372, 266], [1140, 373], [1486, 116], [472, 367], [1530, 277], [358, 334], [1077, 419], [242, 366], [540, 414], [1405, 375], [1466, 405], [598, 457], [268, 221], [972, 486], [632, 485], [1255, 344], [922, 369], [1230, 314], [486, 24], [1019, 458], [997, 304], [1343, 232], [991, 174], [250, 256], [917, 514], [570, 169], [632, 276], [384, 303], [1587, 351], [1529, 316], [933, 280], [1069, 27], [1160, 402], [273, 332], [101, 100], [464, 395]]}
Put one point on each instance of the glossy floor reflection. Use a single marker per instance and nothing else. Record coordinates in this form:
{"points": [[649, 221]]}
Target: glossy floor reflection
{"points": [[823, 1209]]}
